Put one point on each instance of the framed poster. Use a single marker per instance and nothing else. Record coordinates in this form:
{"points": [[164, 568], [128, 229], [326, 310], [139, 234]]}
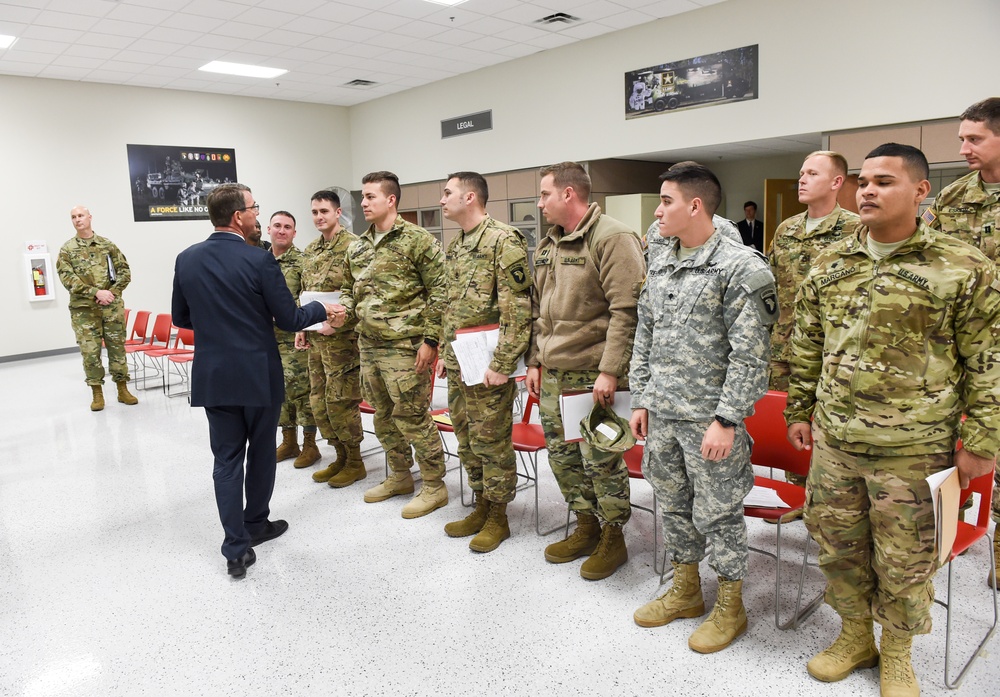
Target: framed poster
{"points": [[170, 182]]}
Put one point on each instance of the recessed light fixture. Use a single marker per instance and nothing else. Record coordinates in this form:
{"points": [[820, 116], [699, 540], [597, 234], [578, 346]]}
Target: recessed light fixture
{"points": [[6, 41], [241, 69], [449, 3]]}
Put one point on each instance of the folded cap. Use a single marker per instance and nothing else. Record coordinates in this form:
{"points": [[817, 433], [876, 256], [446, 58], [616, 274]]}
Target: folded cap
{"points": [[605, 430]]}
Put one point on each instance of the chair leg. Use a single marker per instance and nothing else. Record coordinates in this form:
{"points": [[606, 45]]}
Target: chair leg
{"points": [[954, 684], [533, 458], [800, 613]]}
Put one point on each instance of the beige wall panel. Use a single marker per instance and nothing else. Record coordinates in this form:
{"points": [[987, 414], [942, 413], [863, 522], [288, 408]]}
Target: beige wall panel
{"points": [[429, 194], [939, 141], [497, 184], [522, 184], [498, 210], [854, 146]]}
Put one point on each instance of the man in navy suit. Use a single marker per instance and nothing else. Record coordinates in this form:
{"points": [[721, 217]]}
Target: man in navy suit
{"points": [[751, 229], [232, 294]]}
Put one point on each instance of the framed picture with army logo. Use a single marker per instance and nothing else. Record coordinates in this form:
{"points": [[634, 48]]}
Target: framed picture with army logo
{"points": [[170, 182]]}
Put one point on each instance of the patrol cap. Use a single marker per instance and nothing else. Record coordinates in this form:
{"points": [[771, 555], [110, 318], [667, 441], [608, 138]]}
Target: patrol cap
{"points": [[605, 430]]}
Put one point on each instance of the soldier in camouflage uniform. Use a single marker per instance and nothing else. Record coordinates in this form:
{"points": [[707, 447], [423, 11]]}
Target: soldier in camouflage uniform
{"points": [[394, 290], [295, 410], [334, 359], [896, 333], [95, 273], [254, 239], [488, 283], [970, 210], [699, 366], [588, 272]]}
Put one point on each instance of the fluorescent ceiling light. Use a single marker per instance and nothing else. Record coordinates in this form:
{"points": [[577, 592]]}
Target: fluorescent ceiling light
{"points": [[449, 3], [7, 41], [241, 69]]}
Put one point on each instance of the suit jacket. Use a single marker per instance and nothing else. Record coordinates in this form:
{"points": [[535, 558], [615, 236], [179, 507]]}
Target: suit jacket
{"points": [[754, 237], [232, 295]]}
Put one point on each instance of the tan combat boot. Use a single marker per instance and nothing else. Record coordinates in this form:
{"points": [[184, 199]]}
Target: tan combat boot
{"points": [[310, 452], [334, 467], [97, 403], [397, 484], [683, 599], [991, 579], [896, 678], [124, 396], [432, 496], [495, 531], [726, 622], [854, 648], [353, 470], [609, 555], [472, 523], [581, 543], [289, 448]]}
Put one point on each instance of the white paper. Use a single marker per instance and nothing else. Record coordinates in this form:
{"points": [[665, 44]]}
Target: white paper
{"points": [[575, 407], [763, 497], [474, 352], [332, 297]]}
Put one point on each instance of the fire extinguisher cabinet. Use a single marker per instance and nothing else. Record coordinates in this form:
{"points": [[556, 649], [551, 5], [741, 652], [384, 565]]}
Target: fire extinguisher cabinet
{"points": [[40, 275]]}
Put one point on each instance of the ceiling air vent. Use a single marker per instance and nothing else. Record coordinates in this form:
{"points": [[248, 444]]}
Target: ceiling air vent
{"points": [[360, 83], [557, 18]]}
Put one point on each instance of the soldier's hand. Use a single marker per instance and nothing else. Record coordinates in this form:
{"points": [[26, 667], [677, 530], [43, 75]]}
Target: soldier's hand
{"points": [[336, 315], [492, 378], [604, 389], [426, 355], [717, 442], [327, 329], [301, 343], [533, 381], [639, 423], [971, 466], [800, 436], [440, 370], [104, 297]]}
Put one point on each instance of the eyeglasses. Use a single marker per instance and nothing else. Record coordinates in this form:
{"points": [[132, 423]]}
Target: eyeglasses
{"points": [[255, 208]]}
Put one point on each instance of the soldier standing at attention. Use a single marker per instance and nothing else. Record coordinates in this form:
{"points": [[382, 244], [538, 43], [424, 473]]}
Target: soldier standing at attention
{"points": [[394, 290], [295, 410], [699, 366], [488, 282], [334, 361], [95, 273], [970, 209], [896, 333], [588, 272]]}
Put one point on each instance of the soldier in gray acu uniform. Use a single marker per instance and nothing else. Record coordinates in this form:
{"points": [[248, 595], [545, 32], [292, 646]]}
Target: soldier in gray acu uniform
{"points": [[698, 367]]}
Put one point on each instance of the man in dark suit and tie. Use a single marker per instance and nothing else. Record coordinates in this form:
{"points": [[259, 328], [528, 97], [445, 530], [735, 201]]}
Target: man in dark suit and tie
{"points": [[751, 229], [232, 294]]}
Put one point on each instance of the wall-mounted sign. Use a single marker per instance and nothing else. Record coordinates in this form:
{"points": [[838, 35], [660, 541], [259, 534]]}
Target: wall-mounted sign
{"points": [[483, 121], [173, 183], [701, 81]]}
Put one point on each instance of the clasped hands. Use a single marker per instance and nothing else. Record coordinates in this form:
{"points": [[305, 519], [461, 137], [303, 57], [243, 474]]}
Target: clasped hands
{"points": [[336, 315]]}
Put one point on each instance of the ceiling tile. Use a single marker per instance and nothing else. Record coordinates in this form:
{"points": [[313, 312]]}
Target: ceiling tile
{"points": [[94, 8], [113, 26], [219, 9], [65, 36], [62, 20], [142, 15], [53, 48]]}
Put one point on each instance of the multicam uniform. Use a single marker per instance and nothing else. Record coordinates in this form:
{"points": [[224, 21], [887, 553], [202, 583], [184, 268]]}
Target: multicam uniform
{"points": [[295, 411], [488, 282], [395, 293], [886, 357], [86, 266], [334, 361], [966, 210], [701, 349], [583, 309]]}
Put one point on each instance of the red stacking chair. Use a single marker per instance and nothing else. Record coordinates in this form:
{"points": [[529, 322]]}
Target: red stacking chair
{"points": [[633, 460], [528, 440]]}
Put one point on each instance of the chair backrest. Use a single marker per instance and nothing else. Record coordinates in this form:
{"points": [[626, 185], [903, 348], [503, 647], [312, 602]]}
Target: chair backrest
{"points": [[982, 485], [633, 461], [161, 330], [185, 337], [770, 440], [529, 405], [140, 325]]}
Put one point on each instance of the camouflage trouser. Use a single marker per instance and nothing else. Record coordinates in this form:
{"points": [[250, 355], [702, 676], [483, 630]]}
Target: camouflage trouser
{"points": [[592, 481], [295, 411], [401, 398], [483, 418], [779, 381], [700, 502], [92, 325], [334, 387], [873, 519]]}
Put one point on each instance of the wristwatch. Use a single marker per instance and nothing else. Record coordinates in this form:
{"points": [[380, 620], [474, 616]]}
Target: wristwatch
{"points": [[725, 422], [431, 342]]}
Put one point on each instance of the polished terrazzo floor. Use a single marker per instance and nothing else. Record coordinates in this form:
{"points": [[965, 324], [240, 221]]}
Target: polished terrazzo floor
{"points": [[111, 582]]}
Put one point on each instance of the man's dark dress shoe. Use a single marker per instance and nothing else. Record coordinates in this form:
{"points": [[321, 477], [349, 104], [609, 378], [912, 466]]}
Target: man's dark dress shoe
{"points": [[238, 567], [274, 528]]}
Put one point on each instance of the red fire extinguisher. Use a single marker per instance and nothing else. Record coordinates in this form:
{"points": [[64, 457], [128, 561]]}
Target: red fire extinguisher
{"points": [[38, 275]]}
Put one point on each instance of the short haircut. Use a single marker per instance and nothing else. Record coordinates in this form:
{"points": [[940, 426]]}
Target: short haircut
{"points": [[388, 181], [474, 182], [569, 174], [750, 203], [838, 160], [914, 160], [285, 213], [986, 111], [327, 195], [696, 181], [224, 201]]}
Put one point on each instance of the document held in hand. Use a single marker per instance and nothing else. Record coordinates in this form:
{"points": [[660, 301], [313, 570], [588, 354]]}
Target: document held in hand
{"points": [[332, 297], [945, 492], [574, 406], [474, 348]]}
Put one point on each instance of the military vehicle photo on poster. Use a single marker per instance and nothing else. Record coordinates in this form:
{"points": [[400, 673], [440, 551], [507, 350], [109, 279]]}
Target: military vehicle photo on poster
{"points": [[727, 76], [173, 183]]}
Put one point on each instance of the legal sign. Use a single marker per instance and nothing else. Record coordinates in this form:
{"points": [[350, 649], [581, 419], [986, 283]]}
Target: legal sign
{"points": [[459, 126]]}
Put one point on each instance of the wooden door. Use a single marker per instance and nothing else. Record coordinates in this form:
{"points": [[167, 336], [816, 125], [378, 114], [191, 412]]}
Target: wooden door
{"points": [[781, 200]]}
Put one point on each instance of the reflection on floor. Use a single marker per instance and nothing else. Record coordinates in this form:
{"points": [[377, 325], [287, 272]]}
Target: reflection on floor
{"points": [[111, 582]]}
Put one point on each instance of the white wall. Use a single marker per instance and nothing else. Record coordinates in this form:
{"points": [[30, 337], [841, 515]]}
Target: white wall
{"points": [[823, 66], [743, 180], [64, 145]]}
